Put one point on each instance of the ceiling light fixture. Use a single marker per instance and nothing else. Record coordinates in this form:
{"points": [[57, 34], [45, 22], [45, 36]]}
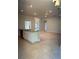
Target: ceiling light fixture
{"points": [[56, 2], [22, 10], [30, 6]]}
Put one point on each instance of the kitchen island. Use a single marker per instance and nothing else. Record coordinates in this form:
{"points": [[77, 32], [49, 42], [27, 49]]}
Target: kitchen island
{"points": [[31, 36]]}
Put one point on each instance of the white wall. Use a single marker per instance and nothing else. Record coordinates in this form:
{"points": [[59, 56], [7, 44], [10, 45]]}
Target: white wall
{"points": [[54, 24]]}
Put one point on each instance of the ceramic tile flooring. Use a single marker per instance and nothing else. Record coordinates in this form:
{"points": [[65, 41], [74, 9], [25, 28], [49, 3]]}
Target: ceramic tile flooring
{"points": [[47, 48]]}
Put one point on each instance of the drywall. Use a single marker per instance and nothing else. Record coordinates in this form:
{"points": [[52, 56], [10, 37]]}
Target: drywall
{"points": [[53, 24], [21, 19]]}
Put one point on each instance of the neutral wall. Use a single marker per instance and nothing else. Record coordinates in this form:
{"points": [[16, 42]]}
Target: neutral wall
{"points": [[54, 24], [21, 19]]}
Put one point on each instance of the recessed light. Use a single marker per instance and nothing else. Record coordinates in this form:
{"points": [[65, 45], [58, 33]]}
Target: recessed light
{"points": [[30, 6], [22, 10]]}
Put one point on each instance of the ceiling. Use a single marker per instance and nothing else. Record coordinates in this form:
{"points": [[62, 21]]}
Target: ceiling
{"points": [[37, 8]]}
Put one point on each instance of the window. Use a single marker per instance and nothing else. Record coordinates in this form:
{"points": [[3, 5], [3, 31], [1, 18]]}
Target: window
{"points": [[37, 24], [46, 26], [27, 25], [37, 27]]}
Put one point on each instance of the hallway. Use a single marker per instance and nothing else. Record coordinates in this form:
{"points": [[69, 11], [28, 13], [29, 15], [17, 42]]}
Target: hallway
{"points": [[45, 49]]}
